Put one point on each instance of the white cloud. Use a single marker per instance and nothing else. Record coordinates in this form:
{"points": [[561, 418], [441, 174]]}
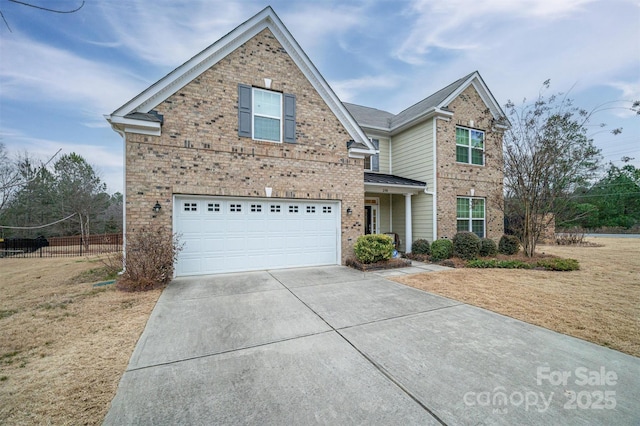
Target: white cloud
{"points": [[45, 74], [347, 90], [313, 23], [169, 33], [464, 25]]}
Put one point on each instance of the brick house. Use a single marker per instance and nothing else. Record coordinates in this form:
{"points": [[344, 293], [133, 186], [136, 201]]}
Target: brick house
{"points": [[248, 154]]}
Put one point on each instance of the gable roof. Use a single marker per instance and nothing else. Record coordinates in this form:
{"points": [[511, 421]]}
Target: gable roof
{"points": [[133, 116], [435, 104], [370, 117]]}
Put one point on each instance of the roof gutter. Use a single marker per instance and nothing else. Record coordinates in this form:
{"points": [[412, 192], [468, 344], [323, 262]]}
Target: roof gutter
{"points": [[131, 125], [431, 112]]}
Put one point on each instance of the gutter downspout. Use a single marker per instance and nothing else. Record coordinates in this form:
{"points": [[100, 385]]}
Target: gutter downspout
{"points": [[124, 198], [434, 200]]}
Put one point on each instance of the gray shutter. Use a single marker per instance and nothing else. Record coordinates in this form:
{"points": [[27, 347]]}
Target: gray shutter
{"points": [[375, 159], [244, 111], [289, 118]]}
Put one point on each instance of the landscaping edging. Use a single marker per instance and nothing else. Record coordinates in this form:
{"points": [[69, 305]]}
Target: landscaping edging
{"points": [[377, 266]]}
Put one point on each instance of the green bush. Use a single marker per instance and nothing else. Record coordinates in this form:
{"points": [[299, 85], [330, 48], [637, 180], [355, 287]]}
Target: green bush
{"points": [[441, 249], [508, 245], [488, 247], [557, 264], [495, 263], [421, 247], [373, 248], [466, 245]]}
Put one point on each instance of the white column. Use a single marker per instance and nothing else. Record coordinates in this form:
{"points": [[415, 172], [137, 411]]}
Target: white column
{"points": [[407, 223]]}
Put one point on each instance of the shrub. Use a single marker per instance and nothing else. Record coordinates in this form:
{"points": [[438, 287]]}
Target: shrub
{"points": [[466, 245], [421, 247], [558, 264], [572, 237], [488, 247], [373, 248], [495, 263], [441, 249], [151, 254], [508, 245]]}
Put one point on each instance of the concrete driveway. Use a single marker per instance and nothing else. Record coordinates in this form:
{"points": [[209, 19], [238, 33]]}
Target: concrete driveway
{"points": [[332, 345]]}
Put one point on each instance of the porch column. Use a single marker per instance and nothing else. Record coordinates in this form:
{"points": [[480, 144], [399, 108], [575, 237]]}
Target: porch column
{"points": [[407, 220]]}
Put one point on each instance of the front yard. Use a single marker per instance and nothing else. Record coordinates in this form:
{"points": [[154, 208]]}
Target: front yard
{"points": [[64, 344], [599, 303]]}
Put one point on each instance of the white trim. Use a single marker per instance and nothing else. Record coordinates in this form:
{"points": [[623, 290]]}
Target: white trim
{"points": [[265, 19], [435, 181], [124, 200], [254, 114], [485, 94], [408, 225], [132, 125], [430, 113], [360, 153], [378, 187], [377, 211]]}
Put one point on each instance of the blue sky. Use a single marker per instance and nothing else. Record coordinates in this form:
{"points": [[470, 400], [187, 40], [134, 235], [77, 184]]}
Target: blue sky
{"points": [[60, 73]]}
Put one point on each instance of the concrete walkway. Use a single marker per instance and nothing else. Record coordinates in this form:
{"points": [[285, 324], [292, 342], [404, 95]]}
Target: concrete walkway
{"points": [[336, 346]]}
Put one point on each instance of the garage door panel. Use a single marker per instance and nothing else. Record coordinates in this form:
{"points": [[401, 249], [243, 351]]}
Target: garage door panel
{"points": [[227, 235]]}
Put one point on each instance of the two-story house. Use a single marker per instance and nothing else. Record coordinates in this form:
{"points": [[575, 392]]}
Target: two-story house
{"points": [[247, 153], [438, 166]]}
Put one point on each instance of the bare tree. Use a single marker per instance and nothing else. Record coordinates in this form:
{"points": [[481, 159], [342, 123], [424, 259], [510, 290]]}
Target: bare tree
{"points": [[10, 181], [548, 153]]}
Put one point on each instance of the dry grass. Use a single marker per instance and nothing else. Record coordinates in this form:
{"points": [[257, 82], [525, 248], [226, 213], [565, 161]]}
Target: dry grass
{"points": [[599, 303], [63, 343]]}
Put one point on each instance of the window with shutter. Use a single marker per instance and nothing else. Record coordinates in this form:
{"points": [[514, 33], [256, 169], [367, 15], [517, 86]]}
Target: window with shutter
{"points": [[266, 115]]}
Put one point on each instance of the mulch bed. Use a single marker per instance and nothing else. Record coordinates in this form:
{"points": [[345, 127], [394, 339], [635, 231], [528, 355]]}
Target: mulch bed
{"points": [[377, 266]]}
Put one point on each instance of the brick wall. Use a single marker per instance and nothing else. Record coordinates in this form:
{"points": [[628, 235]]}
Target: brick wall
{"points": [[199, 151], [457, 180]]}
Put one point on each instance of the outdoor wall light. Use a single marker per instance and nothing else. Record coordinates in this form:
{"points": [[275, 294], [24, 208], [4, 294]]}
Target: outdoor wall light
{"points": [[349, 211], [157, 207]]}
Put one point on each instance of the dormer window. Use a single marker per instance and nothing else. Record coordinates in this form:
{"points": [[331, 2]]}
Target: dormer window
{"points": [[469, 146]]}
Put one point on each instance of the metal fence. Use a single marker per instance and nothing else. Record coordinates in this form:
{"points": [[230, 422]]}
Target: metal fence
{"points": [[60, 246]]}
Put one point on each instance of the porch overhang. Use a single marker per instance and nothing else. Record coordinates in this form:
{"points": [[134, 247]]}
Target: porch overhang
{"points": [[391, 184]]}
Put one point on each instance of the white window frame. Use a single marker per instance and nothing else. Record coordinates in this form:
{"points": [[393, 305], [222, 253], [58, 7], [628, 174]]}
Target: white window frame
{"points": [[254, 114], [367, 164], [470, 146], [471, 218]]}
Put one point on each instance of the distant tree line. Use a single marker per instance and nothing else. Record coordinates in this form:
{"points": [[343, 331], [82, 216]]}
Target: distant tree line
{"points": [[33, 194], [612, 202]]}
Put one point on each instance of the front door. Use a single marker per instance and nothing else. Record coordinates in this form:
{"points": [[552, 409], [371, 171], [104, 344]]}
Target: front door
{"points": [[371, 219]]}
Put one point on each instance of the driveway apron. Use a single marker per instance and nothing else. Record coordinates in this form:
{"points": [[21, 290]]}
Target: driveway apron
{"points": [[332, 345]]}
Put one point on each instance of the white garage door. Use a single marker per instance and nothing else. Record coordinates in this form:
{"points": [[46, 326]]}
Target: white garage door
{"points": [[223, 234]]}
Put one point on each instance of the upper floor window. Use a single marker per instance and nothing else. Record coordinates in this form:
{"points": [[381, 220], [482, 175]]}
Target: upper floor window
{"points": [[469, 146], [372, 163], [266, 115]]}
